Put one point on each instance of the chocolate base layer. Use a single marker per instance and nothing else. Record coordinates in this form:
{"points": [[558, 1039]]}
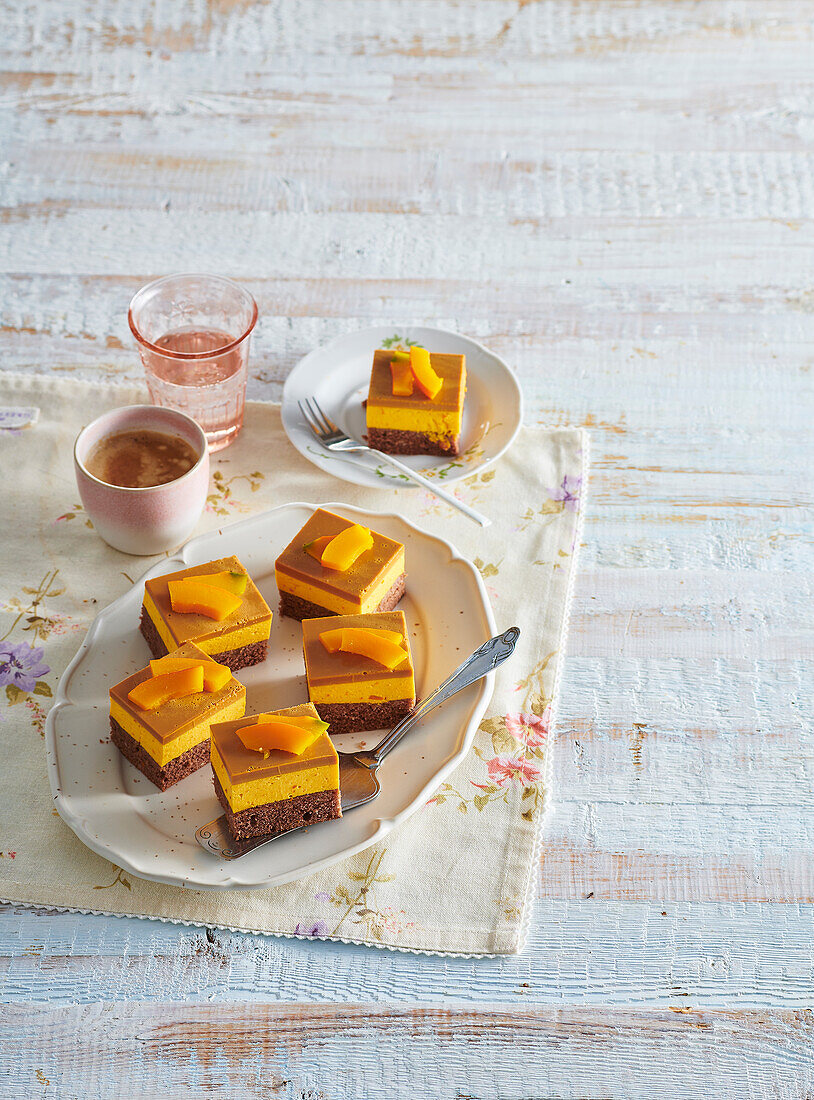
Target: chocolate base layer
{"points": [[172, 773], [355, 717], [235, 659], [296, 608], [290, 813], [395, 442]]}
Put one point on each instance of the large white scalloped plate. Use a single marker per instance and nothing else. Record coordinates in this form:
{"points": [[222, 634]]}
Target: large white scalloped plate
{"points": [[120, 814], [338, 375]]}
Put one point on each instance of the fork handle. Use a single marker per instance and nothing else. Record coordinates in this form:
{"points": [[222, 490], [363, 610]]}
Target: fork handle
{"points": [[478, 517]]}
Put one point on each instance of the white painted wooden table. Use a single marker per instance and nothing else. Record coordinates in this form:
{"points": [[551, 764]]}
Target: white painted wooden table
{"points": [[617, 197]]}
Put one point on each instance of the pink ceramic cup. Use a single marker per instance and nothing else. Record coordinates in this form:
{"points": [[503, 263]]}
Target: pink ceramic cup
{"points": [[143, 521]]}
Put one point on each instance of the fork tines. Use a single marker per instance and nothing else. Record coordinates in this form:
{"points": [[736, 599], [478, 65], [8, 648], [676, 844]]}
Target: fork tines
{"points": [[315, 418]]}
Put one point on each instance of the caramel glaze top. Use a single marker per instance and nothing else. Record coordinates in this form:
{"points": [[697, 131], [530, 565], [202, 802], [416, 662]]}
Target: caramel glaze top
{"points": [[355, 581], [175, 717], [184, 626], [449, 368], [342, 668], [244, 764]]}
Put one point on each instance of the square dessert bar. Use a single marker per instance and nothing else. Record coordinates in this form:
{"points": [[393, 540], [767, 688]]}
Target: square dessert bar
{"points": [[415, 424], [238, 640], [171, 742], [353, 692], [374, 582], [263, 793]]}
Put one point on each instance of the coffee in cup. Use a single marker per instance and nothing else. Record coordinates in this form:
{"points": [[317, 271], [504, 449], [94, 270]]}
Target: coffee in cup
{"points": [[139, 458]]}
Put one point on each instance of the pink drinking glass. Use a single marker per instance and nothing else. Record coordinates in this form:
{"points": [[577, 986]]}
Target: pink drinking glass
{"points": [[193, 334]]}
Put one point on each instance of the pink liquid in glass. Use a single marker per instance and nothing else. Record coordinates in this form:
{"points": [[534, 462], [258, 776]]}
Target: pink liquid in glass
{"points": [[196, 372], [210, 389], [193, 333]]}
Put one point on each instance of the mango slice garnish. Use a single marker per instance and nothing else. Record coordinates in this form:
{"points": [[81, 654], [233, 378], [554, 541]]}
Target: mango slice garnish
{"points": [[343, 550], [158, 690], [290, 734], [193, 596], [314, 549], [215, 676], [367, 643], [400, 356], [228, 579], [332, 639], [403, 378], [426, 379]]}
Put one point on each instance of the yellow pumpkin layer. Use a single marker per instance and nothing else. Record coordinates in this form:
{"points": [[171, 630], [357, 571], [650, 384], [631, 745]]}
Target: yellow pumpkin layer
{"points": [[363, 691], [164, 753], [274, 788], [430, 422]]}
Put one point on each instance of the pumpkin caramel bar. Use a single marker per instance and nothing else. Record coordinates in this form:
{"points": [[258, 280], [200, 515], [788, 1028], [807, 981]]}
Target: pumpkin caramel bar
{"points": [[413, 423], [238, 640], [353, 692], [265, 792], [375, 581], [170, 742]]}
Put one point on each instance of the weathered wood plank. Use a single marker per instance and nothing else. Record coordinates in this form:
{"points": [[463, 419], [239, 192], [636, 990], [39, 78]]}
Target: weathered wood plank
{"points": [[588, 951], [767, 313], [298, 1051], [47, 178], [427, 29], [671, 613], [679, 763], [579, 870], [539, 251]]}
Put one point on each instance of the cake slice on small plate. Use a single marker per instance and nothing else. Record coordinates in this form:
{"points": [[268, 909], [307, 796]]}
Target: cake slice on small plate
{"points": [[160, 716], [359, 670], [216, 605], [334, 566], [415, 402], [266, 788]]}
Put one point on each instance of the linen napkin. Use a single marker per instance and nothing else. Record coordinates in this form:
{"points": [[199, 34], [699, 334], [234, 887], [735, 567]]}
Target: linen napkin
{"points": [[458, 877]]}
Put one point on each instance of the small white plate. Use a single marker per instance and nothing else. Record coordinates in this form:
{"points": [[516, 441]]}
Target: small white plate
{"points": [[119, 814], [338, 375]]}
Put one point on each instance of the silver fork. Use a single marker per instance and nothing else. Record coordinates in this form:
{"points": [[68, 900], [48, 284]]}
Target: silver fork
{"points": [[335, 440]]}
